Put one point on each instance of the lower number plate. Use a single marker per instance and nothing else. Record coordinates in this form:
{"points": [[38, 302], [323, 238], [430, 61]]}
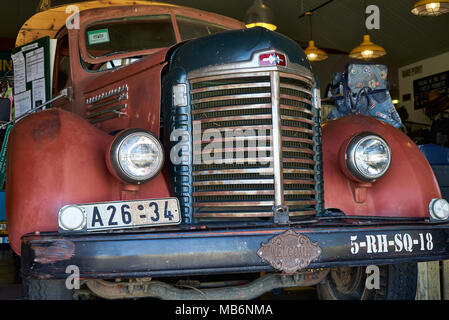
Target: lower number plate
{"points": [[131, 214]]}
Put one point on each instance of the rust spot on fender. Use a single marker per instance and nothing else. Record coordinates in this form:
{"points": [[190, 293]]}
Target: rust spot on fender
{"points": [[48, 127], [57, 250]]}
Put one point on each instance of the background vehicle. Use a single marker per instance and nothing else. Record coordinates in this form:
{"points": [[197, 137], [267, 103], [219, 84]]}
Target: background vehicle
{"points": [[120, 181]]}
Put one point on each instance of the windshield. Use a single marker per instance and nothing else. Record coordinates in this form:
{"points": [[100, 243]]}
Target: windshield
{"points": [[191, 28], [129, 34], [132, 34]]}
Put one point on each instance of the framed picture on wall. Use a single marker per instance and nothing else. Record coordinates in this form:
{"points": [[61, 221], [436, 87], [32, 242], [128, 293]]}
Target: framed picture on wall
{"points": [[430, 88]]}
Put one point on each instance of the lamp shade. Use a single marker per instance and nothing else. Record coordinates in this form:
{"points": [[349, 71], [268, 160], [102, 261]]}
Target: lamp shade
{"points": [[259, 15], [367, 50], [431, 7], [313, 53]]}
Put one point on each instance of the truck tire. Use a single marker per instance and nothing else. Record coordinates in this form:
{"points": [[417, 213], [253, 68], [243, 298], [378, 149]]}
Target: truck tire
{"points": [[396, 282], [45, 290]]}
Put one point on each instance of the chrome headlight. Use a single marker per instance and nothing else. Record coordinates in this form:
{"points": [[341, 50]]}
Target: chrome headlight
{"points": [[136, 156], [368, 156]]}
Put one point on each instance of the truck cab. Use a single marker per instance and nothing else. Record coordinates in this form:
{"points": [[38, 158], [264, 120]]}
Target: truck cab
{"points": [[189, 146]]}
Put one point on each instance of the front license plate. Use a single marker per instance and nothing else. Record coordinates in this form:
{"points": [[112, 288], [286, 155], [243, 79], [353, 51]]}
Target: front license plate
{"points": [[129, 214]]}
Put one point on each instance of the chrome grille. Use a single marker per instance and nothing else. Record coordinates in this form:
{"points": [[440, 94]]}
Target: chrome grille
{"points": [[245, 187]]}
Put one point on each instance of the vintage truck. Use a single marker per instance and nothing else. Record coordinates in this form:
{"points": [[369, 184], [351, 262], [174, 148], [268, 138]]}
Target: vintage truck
{"points": [[188, 161]]}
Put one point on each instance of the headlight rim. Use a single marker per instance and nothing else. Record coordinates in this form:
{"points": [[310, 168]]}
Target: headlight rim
{"points": [[114, 161], [432, 212], [350, 160], [62, 224]]}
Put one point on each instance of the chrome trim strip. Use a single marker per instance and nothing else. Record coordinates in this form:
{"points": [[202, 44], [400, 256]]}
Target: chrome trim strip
{"points": [[232, 171], [240, 138], [294, 108], [301, 203], [233, 193], [233, 149], [283, 117], [316, 98], [107, 94], [233, 204], [293, 87], [233, 214], [296, 129], [254, 127], [297, 160], [259, 72], [295, 98], [276, 144], [299, 192], [288, 181], [298, 76], [299, 150], [231, 108], [300, 171], [99, 113], [295, 139], [233, 97], [236, 118], [268, 180], [231, 86], [110, 117], [121, 97]]}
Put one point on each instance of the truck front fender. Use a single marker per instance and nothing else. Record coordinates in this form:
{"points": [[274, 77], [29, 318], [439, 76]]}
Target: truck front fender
{"points": [[404, 191], [56, 158]]}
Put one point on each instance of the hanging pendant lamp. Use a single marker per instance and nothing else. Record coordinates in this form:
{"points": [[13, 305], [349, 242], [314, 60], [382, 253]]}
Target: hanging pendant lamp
{"points": [[259, 15], [367, 50], [312, 52], [431, 7], [315, 54]]}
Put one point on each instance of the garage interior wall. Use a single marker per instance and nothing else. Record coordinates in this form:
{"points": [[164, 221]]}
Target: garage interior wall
{"points": [[430, 66]]}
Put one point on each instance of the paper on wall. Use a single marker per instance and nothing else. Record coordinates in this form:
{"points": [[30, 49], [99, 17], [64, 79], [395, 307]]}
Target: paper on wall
{"points": [[35, 64], [38, 89], [19, 72], [22, 103]]}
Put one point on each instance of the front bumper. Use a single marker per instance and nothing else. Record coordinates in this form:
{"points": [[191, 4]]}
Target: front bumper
{"points": [[201, 250]]}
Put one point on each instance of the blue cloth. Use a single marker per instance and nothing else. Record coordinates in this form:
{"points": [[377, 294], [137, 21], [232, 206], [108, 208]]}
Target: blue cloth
{"points": [[365, 91]]}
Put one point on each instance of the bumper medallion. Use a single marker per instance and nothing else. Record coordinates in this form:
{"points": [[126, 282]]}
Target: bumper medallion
{"points": [[289, 251]]}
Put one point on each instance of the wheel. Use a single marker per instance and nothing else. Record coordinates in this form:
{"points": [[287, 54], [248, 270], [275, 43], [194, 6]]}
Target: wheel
{"points": [[45, 290], [396, 282]]}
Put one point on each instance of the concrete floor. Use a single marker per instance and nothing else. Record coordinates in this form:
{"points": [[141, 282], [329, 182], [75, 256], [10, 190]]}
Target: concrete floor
{"points": [[10, 287]]}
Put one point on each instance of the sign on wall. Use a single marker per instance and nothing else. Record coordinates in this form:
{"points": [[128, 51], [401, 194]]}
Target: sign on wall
{"points": [[32, 75], [437, 84]]}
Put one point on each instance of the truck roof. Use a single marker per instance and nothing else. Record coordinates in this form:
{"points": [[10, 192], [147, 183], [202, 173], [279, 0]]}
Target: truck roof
{"points": [[49, 22]]}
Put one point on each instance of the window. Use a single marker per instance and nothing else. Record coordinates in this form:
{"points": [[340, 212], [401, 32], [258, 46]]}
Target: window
{"points": [[191, 28], [112, 37], [62, 64]]}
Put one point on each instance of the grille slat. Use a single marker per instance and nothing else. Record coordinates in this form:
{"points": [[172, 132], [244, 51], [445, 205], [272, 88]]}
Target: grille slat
{"points": [[245, 188]]}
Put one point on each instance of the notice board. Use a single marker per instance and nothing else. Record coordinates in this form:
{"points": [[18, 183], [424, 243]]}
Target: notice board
{"points": [[32, 65], [422, 87]]}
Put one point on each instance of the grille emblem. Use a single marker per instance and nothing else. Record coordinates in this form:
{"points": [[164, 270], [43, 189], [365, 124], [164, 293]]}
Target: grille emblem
{"points": [[289, 251], [273, 59]]}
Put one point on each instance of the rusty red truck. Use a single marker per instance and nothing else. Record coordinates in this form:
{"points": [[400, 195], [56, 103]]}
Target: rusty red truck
{"points": [[187, 160]]}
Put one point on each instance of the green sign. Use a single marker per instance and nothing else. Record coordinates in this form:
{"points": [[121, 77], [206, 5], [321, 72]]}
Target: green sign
{"points": [[98, 36]]}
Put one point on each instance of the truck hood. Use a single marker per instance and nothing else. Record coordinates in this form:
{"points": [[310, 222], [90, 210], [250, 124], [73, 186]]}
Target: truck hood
{"points": [[234, 46]]}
